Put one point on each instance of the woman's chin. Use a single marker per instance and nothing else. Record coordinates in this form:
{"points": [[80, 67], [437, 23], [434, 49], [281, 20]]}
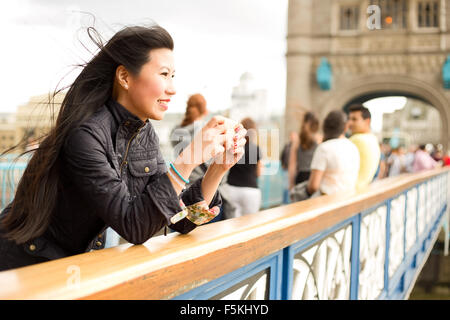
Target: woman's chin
{"points": [[158, 116]]}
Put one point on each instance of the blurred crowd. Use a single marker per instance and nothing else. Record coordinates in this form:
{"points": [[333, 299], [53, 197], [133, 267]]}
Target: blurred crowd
{"points": [[338, 154], [335, 155], [345, 155], [397, 160]]}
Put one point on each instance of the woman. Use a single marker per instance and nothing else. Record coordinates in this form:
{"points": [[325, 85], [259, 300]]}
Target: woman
{"points": [[242, 185], [101, 166], [302, 150]]}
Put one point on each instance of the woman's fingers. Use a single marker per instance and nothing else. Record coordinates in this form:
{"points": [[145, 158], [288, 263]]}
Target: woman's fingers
{"points": [[218, 149], [215, 121], [229, 139], [220, 120], [223, 135]]}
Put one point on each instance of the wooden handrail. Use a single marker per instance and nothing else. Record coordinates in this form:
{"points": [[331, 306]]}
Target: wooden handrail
{"points": [[167, 266]]}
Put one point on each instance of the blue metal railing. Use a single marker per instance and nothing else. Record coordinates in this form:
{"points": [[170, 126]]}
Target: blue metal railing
{"points": [[10, 174], [375, 254], [273, 184]]}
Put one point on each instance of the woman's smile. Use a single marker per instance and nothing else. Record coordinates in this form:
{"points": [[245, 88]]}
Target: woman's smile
{"points": [[164, 103]]}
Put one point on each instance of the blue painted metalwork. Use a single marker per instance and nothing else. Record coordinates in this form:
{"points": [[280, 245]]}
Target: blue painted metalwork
{"points": [[10, 173], [417, 214], [355, 265], [386, 252], [446, 73], [405, 217], [272, 185], [272, 262], [324, 75], [280, 264], [397, 286]]}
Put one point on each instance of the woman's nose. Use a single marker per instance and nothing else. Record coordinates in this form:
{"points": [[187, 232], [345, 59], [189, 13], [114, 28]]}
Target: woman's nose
{"points": [[171, 88]]}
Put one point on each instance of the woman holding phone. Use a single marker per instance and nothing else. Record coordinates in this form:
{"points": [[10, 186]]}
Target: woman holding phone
{"points": [[100, 166]]}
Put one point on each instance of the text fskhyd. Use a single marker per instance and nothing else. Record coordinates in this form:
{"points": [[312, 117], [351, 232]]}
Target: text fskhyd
{"points": [[230, 309]]}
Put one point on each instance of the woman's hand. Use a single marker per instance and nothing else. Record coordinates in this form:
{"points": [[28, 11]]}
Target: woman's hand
{"points": [[223, 162], [210, 141], [234, 150], [213, 139]]}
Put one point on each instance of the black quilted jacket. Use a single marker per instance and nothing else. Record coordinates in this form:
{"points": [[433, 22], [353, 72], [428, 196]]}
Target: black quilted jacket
{"points": [[112, 175]]}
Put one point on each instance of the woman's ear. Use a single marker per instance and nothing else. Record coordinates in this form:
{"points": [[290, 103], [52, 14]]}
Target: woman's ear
{"points": [[122, 76]]}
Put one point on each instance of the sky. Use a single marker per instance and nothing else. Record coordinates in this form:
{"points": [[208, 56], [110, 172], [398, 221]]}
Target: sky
{"points": [[379, 106], [216, 41]]}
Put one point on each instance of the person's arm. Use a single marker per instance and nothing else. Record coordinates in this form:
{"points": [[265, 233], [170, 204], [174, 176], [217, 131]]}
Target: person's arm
{"points": [[382, 173], [314, 181], [292, 168], [217, 170], [259, 168], [318, 167], [208, 143], [99, 185], [211, 182]]}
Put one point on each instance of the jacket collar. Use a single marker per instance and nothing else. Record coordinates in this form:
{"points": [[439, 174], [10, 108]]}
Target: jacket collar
{"points": [[124, 117]]}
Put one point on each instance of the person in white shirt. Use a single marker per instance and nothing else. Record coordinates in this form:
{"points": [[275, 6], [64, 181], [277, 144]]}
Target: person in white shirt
{"points": [[335, 163]]}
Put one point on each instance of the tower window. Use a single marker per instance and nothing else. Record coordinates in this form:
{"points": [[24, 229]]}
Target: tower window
{"points": [[349, 17], [394, 13], [428, 14]]}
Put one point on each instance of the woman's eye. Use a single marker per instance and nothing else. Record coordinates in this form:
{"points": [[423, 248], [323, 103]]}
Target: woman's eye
{"points": [[165, 74]]}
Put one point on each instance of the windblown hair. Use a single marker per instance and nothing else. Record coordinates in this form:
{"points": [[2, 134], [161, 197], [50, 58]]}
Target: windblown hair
{"points": [[309, 128], [37, 192], [196, 107]]}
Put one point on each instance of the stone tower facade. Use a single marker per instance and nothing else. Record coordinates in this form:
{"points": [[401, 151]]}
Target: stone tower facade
{"points": [[374, 47]]}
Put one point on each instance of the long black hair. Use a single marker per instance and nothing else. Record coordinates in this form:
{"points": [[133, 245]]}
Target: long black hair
{"points": [[37, 192]]}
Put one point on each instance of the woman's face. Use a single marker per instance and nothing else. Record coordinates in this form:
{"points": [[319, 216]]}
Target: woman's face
{"points": [[149, 92]]}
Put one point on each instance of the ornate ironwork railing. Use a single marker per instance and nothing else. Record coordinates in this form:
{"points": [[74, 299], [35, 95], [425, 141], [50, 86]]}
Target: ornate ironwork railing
{"points": [[370, 244]]}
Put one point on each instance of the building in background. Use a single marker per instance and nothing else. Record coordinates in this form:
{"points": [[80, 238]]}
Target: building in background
{"points": [[418, 122], [35, 118], [248, 100], [345, 51], [31, 121], [7, 131]]}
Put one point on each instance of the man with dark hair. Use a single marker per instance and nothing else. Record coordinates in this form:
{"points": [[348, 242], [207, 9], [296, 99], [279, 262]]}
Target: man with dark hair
{"points": [[365, 113], [366, 142]]}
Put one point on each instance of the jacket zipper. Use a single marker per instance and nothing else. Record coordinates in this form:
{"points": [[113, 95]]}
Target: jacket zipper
{"points": [[128, 147]]}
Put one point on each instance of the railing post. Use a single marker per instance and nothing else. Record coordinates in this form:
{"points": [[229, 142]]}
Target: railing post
{"points": [[417, 216], [287, 274], [405, 225], [446, 217], [355, 263], [388, 239]]}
